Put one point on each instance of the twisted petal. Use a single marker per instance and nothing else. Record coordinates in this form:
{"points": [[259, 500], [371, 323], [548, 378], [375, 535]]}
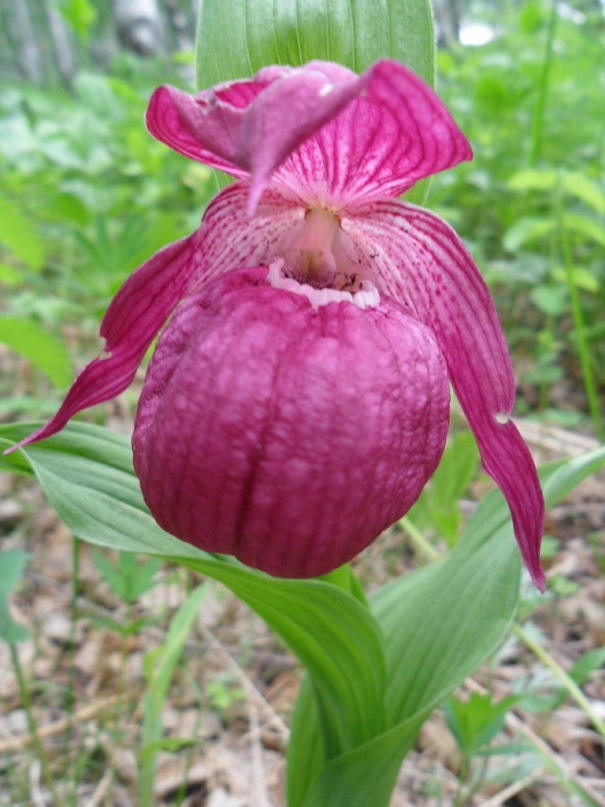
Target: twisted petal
{"points": [[134, 317], [250, 127], [226, 239], [418, 259], [328, 134]]}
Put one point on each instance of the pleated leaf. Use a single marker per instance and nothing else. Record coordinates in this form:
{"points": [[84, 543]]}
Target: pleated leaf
{"points": [[439, 623], [86, 472]]}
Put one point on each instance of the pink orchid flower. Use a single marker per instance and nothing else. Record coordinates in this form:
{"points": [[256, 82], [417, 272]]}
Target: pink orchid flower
{"points": [[298, 399]]}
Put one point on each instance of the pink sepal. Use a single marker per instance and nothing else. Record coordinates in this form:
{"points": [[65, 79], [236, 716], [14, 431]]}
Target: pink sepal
{"points": [[331, 136]]}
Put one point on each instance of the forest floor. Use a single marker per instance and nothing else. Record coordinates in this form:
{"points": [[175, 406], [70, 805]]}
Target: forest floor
{"points": [[234, 693]]}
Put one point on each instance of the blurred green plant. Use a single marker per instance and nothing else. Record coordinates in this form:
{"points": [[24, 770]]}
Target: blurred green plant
{"points": [[131, 576], [82, 205], [160, 665], [223, 691], [437, 510], [532, 203], [13, 563]]}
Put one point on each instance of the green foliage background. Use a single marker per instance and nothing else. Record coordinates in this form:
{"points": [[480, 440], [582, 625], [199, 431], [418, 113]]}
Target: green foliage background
{"points": [[87, 194]]}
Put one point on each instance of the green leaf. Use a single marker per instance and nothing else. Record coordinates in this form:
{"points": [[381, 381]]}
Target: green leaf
{"points": [[19, 235], [86, 472], [475, 722], [335, 638], [121, 628], [534, 179], [529, 228], [80, 14], [12, 566], [10, 631], [584, 226], [42, 349], [582, 278], [552, 300], [525, 229], [9, 276], [367, 774], [305, 758], [172, 744], [560, 478], [548, 179], [586, 664], [437, 507], [132, 576], [453, 614], [585, 189]]}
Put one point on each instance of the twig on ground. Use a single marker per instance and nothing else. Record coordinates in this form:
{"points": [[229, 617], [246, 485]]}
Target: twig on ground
{"points": [[261, 798], [101, 789], [516, 787], [250, 689], [35, 791], [83, 715], [516, 725]]}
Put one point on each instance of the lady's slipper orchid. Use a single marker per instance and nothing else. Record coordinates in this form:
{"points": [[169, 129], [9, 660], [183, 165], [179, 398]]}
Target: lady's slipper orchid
{"points": [[297, 401]]}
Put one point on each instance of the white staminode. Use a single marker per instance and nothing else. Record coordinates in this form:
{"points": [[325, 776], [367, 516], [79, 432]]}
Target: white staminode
{"points": [[366, 296]]}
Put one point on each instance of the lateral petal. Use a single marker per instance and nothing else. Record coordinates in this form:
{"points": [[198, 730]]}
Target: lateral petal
{"points": [[418, 259], [227, 239], [133, 319]]}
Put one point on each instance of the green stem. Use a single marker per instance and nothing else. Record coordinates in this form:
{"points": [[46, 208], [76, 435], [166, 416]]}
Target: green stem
{"points": [[578, 319], [345, 579], [418, 539], [539, 109], [570, 685], [26, 702], [460, 798], [477, 781], [70, 699]]}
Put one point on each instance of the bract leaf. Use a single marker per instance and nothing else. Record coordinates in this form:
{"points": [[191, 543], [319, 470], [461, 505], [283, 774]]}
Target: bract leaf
{"points": [[354, 33], [235, 43]]}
